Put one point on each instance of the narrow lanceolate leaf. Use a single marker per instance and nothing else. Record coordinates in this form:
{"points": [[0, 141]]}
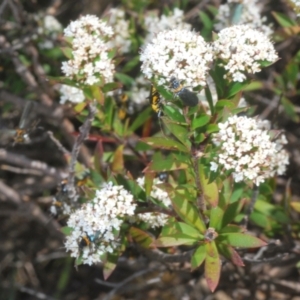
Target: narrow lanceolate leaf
{"points": [[296, 206], [241, 240], [198, 257], [109, 265], [180, 132], [212, 265], [216, 216], [188, 212], [229, 252], [164, 143], [210, 190], [141, 237], [200, 121], [118, 161], [184, 228], [176, 240]]}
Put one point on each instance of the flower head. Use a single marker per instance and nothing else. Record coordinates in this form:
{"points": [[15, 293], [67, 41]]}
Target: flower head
{"points": [[241, 50], [91, 62], [99, 221], [296, 4], [177, 53], [248, 151], [155, 219], [250, 15], [121, 39], [70, 93], [154, 24]]}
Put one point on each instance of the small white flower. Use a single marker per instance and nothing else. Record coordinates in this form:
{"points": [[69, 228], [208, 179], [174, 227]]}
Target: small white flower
{"points": [[155, 219], [250, 15], [249, 153], [296, 4], [98, 221], [180, 53], [70, 93], [91, 63], [121, 39], [154, 24], [240, 50]]}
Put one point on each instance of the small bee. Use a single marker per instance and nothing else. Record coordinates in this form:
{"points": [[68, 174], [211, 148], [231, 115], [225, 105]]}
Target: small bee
{"points": [[122, 101], [155, 100], [20, 135], [188, 98]]}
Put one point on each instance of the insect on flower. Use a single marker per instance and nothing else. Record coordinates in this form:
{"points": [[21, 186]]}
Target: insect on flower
{"points": [[20, 135], [122, 102], [188, 98], [155, 100]]}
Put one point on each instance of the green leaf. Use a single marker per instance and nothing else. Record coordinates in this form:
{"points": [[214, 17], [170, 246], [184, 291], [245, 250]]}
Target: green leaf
{"points": [[231, 229], [209, 100], [141, 237], [212, 266], [176, 240], [187, 212], [236, 87], [224, 103], [241, 240], [174, 114], [125, 79], [118, 160], [283, 19], [179, 132], [140, 119], [198, 257], [212, 128], [163, 164], [271, 210], [188, 230], [295, 205], [200, 121], [210, 190], [232, 211], [66, 230], [110, 265], [216, 216], [134, 61], [164, 143], [230, 254], [290, 109], [67, 51]]}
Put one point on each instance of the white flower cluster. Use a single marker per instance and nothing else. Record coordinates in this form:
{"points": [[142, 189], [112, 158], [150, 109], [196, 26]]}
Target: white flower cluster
{"points": [[70, 93], [247, 149], [91, 63], [154, 24], [98, 221], [48, 30], [296, 6], [180, 53], [139, 92], [250, 15], [241, 50], [155, 219], [121, 40]]}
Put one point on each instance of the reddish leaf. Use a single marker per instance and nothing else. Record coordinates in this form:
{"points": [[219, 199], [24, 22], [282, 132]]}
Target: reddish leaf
{"points": [[141, 237], [118, 161], [230, 254], [212, 266]]}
